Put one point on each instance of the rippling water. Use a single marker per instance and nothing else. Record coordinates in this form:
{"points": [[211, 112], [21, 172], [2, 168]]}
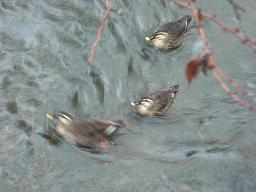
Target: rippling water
{"points": [[206, 143]]}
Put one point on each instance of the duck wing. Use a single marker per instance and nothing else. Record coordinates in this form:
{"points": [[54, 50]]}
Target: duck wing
{"points": [[160, 99], [83, 133], [163, 98], [176, 28], [165, 94]]}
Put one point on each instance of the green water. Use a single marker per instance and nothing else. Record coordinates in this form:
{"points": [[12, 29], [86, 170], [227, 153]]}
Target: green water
{"points": [[44, 44]]}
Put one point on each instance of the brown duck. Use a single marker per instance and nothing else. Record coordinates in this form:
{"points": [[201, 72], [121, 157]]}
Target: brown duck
{"points": [[157, 103], [85, 133], [170, 35]]}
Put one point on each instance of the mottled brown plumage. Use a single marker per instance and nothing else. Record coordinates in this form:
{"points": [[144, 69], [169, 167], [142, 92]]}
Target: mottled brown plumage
{"points": [[157, 103], [84, 133], [170, 35]]}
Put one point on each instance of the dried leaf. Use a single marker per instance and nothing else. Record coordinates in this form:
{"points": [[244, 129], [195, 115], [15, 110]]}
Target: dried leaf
{"points": [[192, 69], [210, 64], [200, 16]]}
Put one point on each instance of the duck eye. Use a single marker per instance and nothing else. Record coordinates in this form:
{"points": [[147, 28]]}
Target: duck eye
{"points": [[147, 100], [161, 34]]}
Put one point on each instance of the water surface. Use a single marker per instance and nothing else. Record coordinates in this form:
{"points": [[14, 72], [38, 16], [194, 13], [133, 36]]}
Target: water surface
{"points": [[206, 143]]}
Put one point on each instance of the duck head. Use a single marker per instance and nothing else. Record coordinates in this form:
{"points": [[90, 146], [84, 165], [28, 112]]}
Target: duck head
{"points": [[143, 107], [158, 40]]}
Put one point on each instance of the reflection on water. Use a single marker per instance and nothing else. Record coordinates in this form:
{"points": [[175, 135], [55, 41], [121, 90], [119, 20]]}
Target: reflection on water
{"points": [[206, 143]]}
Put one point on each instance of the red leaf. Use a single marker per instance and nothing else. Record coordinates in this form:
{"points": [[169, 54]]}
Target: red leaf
{"points": [[200, 16], [192, 69]]}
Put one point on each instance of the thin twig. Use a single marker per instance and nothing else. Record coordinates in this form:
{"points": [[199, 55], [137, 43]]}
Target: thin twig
{"points": [[231, 81], [229, 92], [218, 73], [99, 33], [236, 32]]}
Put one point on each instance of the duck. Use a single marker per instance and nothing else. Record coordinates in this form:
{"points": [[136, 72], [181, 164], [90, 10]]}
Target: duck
{"points": [[170, 35], [84, 133], [157, 103]]}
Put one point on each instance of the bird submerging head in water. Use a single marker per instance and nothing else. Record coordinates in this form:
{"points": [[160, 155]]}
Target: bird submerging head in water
{"points": [[157, 103], [170, 35], [84, 133]]}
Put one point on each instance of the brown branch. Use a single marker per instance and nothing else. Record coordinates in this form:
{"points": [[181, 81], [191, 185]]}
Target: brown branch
{"points": [[231, 81], [236, 32], [230, 93], [212, 65], [99, 33]]}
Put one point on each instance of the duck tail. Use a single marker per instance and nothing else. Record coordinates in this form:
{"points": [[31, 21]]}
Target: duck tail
{"points": [[185, 20], [188, 19], [117, 123], [174, 88]]}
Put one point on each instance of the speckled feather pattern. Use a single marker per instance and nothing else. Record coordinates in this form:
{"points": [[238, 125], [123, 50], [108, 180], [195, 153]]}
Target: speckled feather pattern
{"points": [[161, 101]]}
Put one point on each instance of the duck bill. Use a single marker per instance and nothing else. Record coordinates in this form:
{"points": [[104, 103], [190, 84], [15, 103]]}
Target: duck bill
{"points": [[133, 104], [147, 39]]}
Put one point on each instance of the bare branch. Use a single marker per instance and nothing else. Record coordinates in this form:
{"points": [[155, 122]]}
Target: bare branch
{"points": [[212, 65], [236, 32], [99, 33], [229, 92]]}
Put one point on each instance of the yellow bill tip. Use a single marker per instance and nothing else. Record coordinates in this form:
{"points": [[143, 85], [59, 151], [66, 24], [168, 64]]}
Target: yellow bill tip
{"points": [[133, 104], [147, 38], [50, 116]]}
